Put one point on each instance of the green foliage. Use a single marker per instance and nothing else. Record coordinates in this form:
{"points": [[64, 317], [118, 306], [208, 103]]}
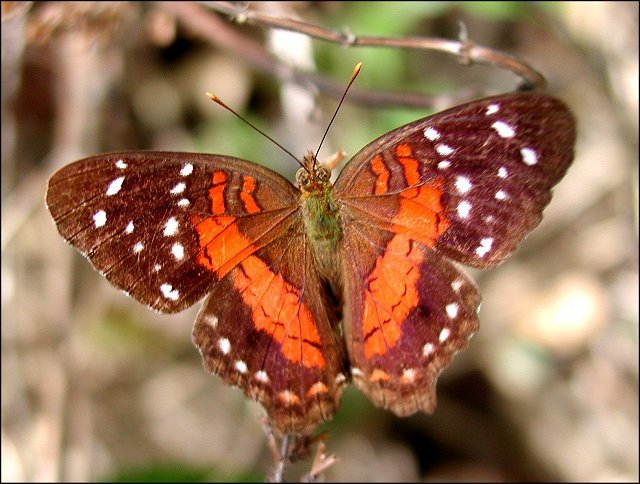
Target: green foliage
{"points": [[499, 11], [180, 472]]}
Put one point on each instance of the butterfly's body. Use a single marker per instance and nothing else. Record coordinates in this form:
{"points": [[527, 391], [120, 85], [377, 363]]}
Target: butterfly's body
{"points": [[321, 218], [313, 286]]}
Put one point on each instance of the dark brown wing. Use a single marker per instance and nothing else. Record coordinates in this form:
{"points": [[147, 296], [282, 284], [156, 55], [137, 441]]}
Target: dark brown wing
{"points": [[467, 184], [168, 228], [269, 328], [408, 311], [140, 218], [484, 170]]}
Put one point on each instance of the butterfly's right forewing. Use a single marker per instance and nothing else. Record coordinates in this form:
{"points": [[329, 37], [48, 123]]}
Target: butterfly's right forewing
{"points": [[164, 227]]}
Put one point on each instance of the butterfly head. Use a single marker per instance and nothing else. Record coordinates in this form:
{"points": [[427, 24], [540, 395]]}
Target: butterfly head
{"points": [[313, 177]]}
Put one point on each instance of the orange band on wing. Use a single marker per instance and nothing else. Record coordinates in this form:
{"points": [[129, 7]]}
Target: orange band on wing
{"points": [[277, 309], [219, 177], [421, 214], [216, 192], [246, 195], [410, 165], [403, 149], [390, 295], [410, 168], [382, 181], [222, 244], [276, 306]]}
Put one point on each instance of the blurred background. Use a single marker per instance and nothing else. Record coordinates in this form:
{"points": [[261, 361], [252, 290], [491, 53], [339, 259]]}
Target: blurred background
{"points": [[97, 387]]}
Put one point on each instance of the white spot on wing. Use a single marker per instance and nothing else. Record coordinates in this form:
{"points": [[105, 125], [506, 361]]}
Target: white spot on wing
{"points": [[452, 310], [138, 247], [157, 267], [179, 188], [503, 129], [529, 156], [408, 375], [187, 169], [287, 397], [169, 292], [225, 345], [241, 366], [178, 251], [356, 371], [492, 109], [261, 376], [444, 335], [443, 149], [444, 164], [100, 218], [317, 388], [211, 320], [502, 172], [464, 208], [456, 285], [484, 247], [121, 164], [340, 378], [463, 184], [428, 349], [501, 195], [431, 134], [183, 202], [171, 227], [129, 228], [115, 186]]}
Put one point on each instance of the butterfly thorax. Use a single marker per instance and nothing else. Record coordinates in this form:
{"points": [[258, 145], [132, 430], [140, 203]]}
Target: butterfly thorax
{"points": [[320, 214]]}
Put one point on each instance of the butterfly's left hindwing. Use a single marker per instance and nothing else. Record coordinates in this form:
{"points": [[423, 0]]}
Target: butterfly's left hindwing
{"points": [[407, 312]]}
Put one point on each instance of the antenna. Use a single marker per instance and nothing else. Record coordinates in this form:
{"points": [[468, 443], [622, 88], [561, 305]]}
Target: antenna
{"points": [[356, 71], [217, 100]]}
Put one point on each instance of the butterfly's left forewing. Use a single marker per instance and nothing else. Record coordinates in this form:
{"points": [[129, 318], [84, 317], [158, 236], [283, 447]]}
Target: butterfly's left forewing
{"points": [[473, 179]]}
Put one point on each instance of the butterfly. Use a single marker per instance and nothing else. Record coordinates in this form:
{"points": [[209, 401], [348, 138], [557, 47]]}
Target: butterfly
{"points": [[314, 285]]}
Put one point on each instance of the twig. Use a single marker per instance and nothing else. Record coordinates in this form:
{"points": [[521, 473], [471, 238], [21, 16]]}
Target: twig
{"points": [[291, 448], [283, 458], [321, 462], [463, 48], [210, 27]]}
